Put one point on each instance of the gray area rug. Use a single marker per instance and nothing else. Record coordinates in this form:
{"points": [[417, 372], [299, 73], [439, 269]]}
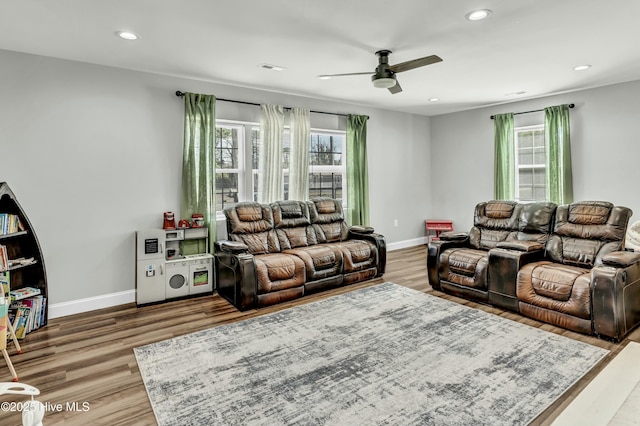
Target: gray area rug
{"points": [[382, 355]]}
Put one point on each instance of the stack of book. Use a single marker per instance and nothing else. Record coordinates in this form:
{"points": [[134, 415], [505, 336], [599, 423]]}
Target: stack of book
{"points": [[27, 309], [10, 223]]}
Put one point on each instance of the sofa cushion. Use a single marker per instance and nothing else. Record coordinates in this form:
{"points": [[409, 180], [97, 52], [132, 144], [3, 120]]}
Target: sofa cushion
{"points": [[252, 224], [557, 287], [465, 266], [320, 261], [258, 243], [586, 231], [358, 254], [279, 271], [290, 214], [248, 218], [289, 238], [494, 221], [328, 220]]}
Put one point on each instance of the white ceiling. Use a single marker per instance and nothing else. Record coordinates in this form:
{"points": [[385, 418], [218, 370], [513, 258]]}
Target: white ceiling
{"points": [[524, 46]]}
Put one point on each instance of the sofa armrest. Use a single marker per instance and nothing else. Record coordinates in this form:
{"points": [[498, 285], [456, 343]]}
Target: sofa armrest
{"points": [[503, 268], [361, 229], [454, 236], [231, 247], [434, 250], [615, 295], [378, 240], [520, 245], [620, 259], [237, 278]]}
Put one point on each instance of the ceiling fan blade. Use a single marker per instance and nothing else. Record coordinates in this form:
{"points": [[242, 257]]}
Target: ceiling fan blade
{"points": [[415, 63], [395, 89], [324, 76]]}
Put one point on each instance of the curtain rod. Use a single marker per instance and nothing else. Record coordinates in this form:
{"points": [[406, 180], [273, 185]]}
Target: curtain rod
{"points": [[528, 112], [181, 94]]}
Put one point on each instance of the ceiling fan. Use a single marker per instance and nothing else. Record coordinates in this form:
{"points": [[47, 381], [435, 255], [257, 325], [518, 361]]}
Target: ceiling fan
{"points": [[385, 75]]}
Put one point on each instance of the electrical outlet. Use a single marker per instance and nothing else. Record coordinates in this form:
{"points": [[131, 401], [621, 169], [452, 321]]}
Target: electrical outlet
{"points": [[395, 222]]}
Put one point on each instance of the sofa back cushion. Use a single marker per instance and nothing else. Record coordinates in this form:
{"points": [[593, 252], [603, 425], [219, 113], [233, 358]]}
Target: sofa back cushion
{"points": [[293, 224], [252, 224], [536, 221], [327, 218], [586, 231], [494, 222]]}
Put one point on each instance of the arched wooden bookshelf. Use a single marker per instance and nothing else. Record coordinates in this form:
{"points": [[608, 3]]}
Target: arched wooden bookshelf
{"points": [[22, 244]]}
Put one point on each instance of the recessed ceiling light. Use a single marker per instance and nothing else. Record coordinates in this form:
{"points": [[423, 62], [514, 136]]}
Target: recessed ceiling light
{"points": [[324, 77], [127, 35], [272, 67], [581, 67], [477, 15], [434, 99], [515, 93]]}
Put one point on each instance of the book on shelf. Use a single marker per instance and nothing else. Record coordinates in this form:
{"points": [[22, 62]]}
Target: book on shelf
{"points": [[27, 315], [23, 293], [4, 260], [10, 223], [5, 284]]}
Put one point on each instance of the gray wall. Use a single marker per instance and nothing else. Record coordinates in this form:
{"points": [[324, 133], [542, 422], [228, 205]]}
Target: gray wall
{"points": [[605, 150], [94, 153]]}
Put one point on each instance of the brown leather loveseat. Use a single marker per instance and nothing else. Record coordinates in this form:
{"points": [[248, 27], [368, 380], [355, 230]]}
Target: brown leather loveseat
{"points": [[578, 276], [286, 249]]}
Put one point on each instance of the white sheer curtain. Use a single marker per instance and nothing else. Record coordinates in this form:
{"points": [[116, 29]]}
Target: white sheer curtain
{"points": [[270, 180], [299, 154]]}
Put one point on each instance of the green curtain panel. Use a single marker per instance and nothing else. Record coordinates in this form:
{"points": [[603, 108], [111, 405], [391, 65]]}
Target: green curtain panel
{"points": [[198, 166], [559, 177], [504, 159], [357, 172]]}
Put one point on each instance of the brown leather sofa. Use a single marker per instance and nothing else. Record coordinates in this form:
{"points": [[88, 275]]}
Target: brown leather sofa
{"points": [[459, 263], [286, 249], [577, 276]]}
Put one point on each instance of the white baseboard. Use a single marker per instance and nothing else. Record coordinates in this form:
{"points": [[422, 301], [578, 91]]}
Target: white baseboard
{"points": [[407, 243], [79, 306]]}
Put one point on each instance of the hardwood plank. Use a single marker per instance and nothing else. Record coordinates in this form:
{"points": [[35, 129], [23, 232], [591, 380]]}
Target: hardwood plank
{"points": [[89, 357]]}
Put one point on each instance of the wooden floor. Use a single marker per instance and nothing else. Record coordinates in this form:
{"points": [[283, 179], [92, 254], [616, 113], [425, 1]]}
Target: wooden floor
{"points": [[88, 358]]}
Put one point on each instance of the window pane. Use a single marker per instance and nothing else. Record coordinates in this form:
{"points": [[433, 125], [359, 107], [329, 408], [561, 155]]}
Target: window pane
{"points": [[255, 137], [226, 148], [538, 177], [226, 190], [325, 185], [326, 150], [526, 177], [525, 157], [539, 193]]}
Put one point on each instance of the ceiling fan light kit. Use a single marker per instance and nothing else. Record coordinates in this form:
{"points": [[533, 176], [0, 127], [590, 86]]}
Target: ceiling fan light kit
{"points": [[384, 82]]}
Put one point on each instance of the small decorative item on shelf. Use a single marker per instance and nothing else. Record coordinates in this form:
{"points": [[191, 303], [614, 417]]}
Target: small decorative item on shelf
{"points": [[169, 221], [197, 220], [183, 224]]}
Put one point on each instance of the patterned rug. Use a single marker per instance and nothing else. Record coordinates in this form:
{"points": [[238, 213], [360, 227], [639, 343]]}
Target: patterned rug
{"points": [[382, 355]]}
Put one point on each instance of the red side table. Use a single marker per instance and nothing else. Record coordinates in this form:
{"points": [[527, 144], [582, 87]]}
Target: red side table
{"points": [[437, 226]]}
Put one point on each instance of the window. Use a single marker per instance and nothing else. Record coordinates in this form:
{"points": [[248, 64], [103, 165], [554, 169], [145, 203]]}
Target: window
{"points": [[236, 153], [327, 165], [236, 157], [530, 163]]}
